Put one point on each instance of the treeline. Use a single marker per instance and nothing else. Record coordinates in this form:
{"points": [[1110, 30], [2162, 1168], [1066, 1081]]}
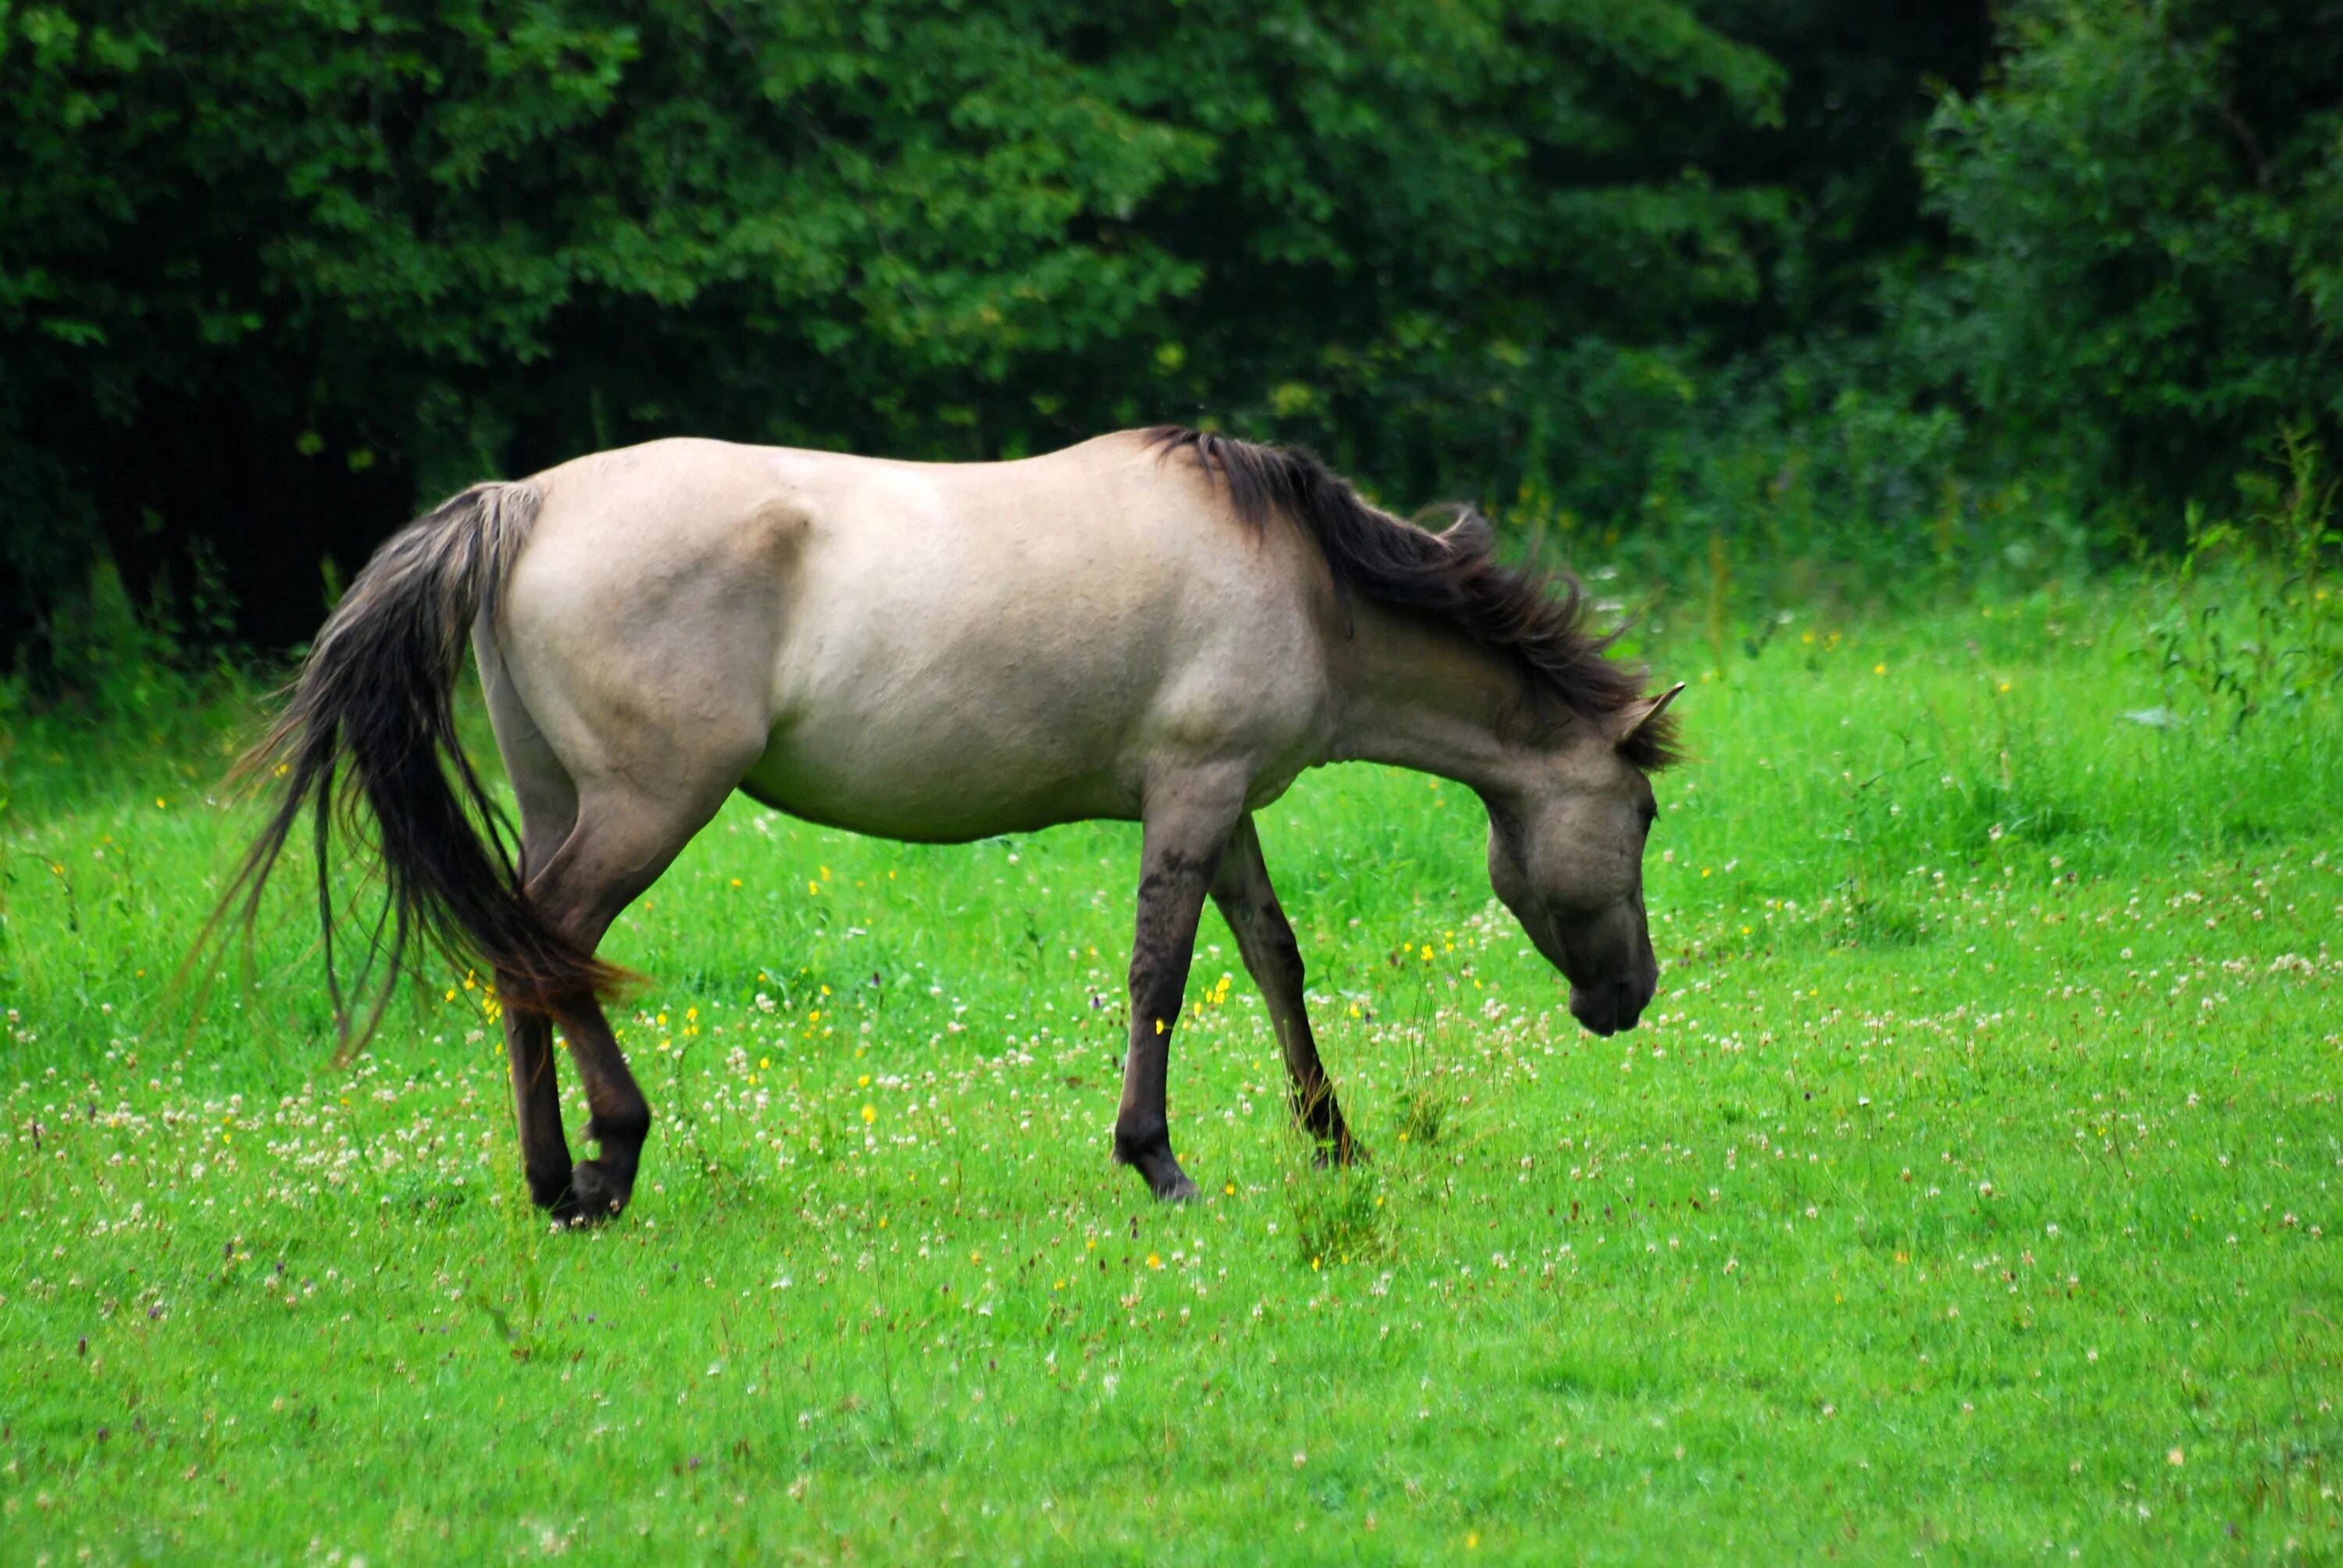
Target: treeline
{"points": [[1889, 291]]}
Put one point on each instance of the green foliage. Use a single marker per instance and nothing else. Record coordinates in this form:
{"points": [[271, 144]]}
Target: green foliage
{"points": [[1705, 291], [355, 250], [1792, 481], [2150, 205], [2254, 616]]}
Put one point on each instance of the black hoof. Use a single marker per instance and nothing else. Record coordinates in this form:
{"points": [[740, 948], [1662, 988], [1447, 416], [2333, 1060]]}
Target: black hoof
{"points": [[1344, 1152], [594, 1196], [1177, 1189], [1162, 1173]]}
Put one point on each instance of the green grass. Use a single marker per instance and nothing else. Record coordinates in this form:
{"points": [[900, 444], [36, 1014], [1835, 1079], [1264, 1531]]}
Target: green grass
{"points": [[1970, 1191]]}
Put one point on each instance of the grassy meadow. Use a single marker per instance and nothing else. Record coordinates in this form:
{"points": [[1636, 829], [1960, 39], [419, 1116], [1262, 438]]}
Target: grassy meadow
{"points": [[1970, 1192]]}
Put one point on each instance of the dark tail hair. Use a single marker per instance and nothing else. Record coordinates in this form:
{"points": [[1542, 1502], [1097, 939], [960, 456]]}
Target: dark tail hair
{"points": [[1538, 617], [368, 731]]}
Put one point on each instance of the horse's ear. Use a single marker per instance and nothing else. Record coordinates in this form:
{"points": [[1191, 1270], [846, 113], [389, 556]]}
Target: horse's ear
{"points": [[1637, 714]]}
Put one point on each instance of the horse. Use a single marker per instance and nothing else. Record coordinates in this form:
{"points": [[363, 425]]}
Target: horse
{"points": [[1165, 625]]}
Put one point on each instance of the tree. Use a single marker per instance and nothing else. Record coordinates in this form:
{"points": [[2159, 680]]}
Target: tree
{"points": [[2149, 198], [273, 273]]}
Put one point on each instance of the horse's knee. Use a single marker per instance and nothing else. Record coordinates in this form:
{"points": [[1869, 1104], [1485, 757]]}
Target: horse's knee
{"points": [[1156, 996], [1280, 954]]}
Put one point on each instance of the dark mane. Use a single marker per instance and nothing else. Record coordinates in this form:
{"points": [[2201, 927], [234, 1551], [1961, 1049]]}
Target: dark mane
{"points": [[1453, 575]]}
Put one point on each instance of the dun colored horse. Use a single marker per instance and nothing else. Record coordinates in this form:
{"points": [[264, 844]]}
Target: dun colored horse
{"points": [[1165, 625]]}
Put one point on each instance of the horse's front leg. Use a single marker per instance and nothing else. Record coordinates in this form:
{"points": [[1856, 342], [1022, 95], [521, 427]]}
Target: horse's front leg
{"points": [[1265, 939], [1185, 832]]}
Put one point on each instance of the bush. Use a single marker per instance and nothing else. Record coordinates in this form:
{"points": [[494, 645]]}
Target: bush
{"points": [[2253, 612], [2148, 203]]}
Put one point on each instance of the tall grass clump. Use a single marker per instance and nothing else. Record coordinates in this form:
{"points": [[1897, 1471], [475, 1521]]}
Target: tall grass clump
{"points": [[2252, 620]]}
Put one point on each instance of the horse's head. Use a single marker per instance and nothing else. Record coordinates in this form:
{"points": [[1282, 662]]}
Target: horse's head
{"points": [[1566, 856]]}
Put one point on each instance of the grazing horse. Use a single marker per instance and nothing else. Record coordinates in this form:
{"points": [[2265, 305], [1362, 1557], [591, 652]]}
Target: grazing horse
{"points": [[1165, 625]]}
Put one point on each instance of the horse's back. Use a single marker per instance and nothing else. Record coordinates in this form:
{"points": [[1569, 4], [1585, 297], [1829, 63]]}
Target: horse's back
{"points": [[925, 650]]}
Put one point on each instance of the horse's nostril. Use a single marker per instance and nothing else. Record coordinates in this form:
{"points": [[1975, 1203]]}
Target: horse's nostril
{"points": [[1598, 1010]]}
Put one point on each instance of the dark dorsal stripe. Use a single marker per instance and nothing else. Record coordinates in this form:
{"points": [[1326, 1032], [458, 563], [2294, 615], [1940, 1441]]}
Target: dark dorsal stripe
{"points": [[1453, 575]]}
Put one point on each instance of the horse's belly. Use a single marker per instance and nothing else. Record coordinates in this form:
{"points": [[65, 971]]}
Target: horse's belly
{"points": [[939, 778]]}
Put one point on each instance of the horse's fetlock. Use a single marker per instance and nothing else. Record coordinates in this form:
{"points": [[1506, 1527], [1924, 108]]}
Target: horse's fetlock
{"points": [[625, 1125], [597, 1191], [1143, 1144]]}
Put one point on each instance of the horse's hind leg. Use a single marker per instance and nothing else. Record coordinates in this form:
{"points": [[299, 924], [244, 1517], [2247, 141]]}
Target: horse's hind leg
{"points": [[1241, 892], [548, 808], [537, 1100], [620, 844]]}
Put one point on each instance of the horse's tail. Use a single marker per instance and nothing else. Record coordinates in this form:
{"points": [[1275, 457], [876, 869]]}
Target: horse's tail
{"points": [[368, 731]]}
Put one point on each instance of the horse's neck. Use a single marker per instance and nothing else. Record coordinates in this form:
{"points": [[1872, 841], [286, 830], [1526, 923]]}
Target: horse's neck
{"points": [[1415, 694]]}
